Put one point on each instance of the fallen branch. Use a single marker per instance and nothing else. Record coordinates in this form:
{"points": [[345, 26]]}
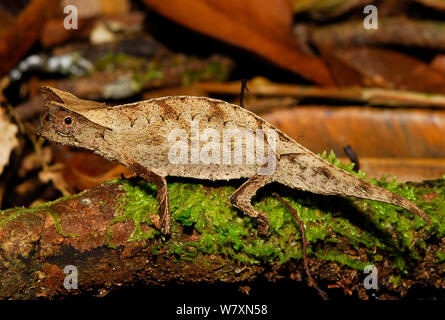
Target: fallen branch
{"points": [[400, 31], [370, 96], [106, 233], [123, 83]]}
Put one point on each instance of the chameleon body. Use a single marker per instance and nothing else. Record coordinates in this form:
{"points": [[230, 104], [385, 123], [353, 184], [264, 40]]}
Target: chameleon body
{"points": [[137, 135]]}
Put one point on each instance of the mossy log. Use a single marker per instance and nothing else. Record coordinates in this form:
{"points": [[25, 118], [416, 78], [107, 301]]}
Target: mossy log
{"points": [[106, 233]]}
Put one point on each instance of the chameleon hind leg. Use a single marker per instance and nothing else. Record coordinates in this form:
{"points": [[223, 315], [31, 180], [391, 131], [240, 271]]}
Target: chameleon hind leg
{"points": [[163, 220], [242, 198]]}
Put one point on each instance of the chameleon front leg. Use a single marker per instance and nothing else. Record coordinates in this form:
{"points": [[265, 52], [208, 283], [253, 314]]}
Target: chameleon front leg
{"points": [[242, 198], [163, 221]]}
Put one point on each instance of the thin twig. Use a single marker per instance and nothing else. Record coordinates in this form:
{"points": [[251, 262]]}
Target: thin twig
{"points": [[370, 96], [243, 88], [311, 280], [353, 157]]}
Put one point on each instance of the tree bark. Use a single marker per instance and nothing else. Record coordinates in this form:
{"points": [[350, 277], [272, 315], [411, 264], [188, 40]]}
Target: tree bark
{"points": [[105, 233]]}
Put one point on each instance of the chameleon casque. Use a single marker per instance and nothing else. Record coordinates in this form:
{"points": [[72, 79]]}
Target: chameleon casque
{"points": [[137, 134]]}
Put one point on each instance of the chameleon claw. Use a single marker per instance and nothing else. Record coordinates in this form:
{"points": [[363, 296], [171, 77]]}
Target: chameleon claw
{"points": [[160, 225], [156, 221], [263, 223]]}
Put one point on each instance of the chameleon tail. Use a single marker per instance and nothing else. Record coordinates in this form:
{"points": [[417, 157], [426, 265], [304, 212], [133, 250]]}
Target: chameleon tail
{"points": [[387, 196], [307, 172]]}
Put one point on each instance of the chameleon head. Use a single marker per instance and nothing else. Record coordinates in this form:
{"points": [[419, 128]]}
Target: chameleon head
{"points": [[61, 123]]}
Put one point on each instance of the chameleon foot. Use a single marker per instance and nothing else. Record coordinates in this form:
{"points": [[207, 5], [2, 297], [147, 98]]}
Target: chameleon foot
{"points": [[263, 223], [162, 221], [242, 197], [164, 211]]}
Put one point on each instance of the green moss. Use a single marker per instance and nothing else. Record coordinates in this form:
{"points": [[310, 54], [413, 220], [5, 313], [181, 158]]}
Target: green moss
{"points": [[395, 280], [138, 205], [381, 229], [333, 224], [342, 259], [186, 69], [212, 70], [152, 71], [440, 256], [378, 257], [56, 221], [12, 214], [121, 61], [108, 237], [216, 71], [399, 264], [185, 251]]}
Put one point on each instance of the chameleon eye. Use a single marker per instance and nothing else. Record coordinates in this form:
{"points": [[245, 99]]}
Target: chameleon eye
{"points": [[68, 120], [65, 123], [48, 117]]}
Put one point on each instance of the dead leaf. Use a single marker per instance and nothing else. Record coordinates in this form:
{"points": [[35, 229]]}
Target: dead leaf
{"points": [[85, 8], [400, 31], [344, 286], [8, 139], [325, 9], [6, 19], [438, 63], [94, 8], [16, 41], [33, 161], [405, 169], [374, 67], [263, 105], [55, 174], [27, 186], [114, 7], [260, 26], [2, 191], [82, 170], [30, 108], [245, 289], [430, 196], [435, 4], [174, 91], [55, 33], [371, 132]]}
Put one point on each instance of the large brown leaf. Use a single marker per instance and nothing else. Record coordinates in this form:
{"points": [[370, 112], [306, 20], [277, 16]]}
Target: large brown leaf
{"points": [[405, 143], [8, 139], [371, 132], [405, 169], [76, 170], [375, 67], [436, 4], [393, 31], [260, 26], [19, 37], [326, 9]]}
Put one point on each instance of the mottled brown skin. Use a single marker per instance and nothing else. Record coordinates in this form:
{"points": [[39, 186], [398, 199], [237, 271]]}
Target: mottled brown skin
{"points": [[136, 135]]}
